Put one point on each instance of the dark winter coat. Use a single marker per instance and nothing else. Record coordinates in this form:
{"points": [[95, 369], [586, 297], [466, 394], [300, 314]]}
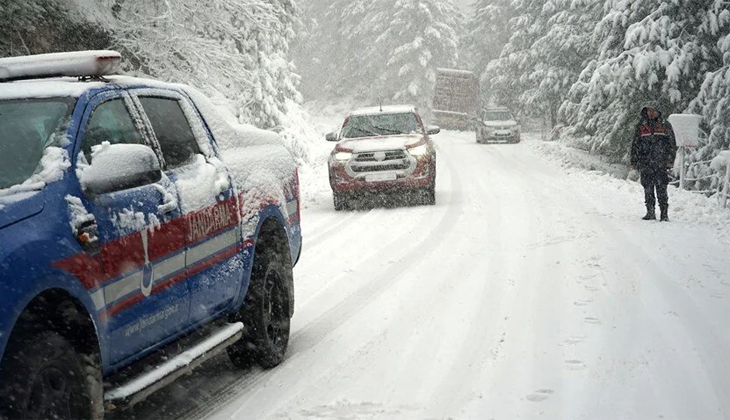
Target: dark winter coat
{"points": [[654, 146]]}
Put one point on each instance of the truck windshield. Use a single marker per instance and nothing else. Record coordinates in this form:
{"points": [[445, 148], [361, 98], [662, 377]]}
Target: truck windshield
{"points": [[380, 125], [27, 127], [497, 116]]}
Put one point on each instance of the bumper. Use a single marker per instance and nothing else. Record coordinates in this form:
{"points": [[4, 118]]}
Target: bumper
{"points": [[342, 180], [500, 139]]}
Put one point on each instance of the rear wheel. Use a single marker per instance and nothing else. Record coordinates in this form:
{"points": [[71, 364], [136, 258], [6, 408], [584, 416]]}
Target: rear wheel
{"points": [[266, 312], [44, 377]]}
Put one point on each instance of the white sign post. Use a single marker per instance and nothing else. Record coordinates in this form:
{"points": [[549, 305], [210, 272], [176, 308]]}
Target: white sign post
{"points": [[687, 133]]}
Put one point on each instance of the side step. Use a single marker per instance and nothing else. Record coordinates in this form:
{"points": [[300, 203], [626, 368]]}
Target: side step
{"points": [[140, 387]]}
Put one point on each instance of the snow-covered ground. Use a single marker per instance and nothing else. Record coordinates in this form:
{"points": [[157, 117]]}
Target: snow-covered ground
{"points": [[531, 290]]}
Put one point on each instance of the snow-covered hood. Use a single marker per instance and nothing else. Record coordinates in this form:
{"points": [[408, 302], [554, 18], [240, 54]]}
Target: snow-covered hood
{"points": [[501, 124], [20, 206], [374, 144]]}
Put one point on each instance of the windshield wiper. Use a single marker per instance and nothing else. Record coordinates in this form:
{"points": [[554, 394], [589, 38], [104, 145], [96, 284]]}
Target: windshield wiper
{"points": [[387, 130], [363, 131]]}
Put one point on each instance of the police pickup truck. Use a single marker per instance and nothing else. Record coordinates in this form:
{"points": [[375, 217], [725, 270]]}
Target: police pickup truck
{"points": [[139, 236]]}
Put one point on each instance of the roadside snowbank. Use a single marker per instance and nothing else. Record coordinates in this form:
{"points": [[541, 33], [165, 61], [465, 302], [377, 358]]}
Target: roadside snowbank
{"points": [[721, 162], [322, 118], [573, 157], [623, 198]]}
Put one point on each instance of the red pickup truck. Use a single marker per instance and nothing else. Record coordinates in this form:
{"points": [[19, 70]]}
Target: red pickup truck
{"points": [[382, 149]]}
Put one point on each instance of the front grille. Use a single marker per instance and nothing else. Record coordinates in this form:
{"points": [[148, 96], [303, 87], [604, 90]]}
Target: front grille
{"points": [[392, 160], [376, 168], [389, 155]]}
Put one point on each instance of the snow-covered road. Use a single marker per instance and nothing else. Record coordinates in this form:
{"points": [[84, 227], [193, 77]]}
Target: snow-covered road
{"points": [[526, 292]]}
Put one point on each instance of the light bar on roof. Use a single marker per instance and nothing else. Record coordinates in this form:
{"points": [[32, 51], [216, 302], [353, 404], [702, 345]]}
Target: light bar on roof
{"points": [[74, 64]]}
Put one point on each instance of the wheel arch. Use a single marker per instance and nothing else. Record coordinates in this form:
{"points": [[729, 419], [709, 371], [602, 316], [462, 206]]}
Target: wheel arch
{"points": [[52, 313], [59, 311], [272, 235]]}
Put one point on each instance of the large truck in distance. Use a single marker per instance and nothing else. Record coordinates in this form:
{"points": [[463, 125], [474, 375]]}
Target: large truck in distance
{"points": [[456, 99]]}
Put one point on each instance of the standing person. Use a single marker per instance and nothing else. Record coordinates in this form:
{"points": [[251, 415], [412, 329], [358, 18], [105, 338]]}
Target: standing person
{"points": [[652, 153]]}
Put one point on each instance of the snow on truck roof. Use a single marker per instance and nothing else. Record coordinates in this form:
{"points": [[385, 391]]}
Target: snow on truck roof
{"points": [[68, 74], [46, 88], [72, 87], [75, 64], [386, 109], [56, 74]]}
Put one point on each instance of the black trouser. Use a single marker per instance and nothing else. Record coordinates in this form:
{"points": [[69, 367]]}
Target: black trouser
{"points": [[655, 178]]}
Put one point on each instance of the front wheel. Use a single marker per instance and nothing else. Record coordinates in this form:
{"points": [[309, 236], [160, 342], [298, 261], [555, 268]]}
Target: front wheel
{"points": [[429, 195], [44, 377], [265, 312], [339, 200]]}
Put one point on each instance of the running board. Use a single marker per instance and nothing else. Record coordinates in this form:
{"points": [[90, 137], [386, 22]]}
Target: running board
{"points": [[139, 388]]}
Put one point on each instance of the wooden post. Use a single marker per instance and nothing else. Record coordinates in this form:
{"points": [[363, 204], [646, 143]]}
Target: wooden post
{"points": [[726, 189], [682, 169]]}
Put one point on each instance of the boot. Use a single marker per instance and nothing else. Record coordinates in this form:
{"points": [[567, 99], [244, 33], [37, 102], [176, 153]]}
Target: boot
{"points": [[664, 215], [650, 214]]}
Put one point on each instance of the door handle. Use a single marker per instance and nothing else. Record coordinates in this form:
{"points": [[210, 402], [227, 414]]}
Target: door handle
{"points": [[169, 201], [169, 204], [87, 235]]}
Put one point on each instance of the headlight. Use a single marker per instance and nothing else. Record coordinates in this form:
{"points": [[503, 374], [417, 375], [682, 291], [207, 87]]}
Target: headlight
{"points": [[421, 150], [343, 156]]}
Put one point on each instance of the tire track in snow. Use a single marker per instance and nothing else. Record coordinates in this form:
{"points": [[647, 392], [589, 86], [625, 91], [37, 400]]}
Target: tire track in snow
{"points": [[370, 256], [501, 303], [422, 294], [316, 331], [348, 218]]}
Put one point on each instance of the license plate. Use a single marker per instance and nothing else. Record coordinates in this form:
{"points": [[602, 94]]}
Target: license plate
{"points": [[385, 176]]}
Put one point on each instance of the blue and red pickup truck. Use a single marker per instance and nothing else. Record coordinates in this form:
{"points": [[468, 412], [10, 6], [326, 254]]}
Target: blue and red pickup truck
{"points": [[128, 231]]}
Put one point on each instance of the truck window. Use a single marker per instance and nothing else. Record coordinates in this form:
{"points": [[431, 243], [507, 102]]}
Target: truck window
{"points": [[497, 116], [172, 130], [26, 128], [380, 125], [110, 122]]}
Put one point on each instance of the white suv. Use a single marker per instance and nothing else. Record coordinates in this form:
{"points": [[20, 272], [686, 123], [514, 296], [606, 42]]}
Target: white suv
{"points": [[497, 125]]}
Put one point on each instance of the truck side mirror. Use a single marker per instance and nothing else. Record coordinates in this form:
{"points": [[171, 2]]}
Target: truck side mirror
{"points": [[331, 137], [116, 167], [432, 129]]}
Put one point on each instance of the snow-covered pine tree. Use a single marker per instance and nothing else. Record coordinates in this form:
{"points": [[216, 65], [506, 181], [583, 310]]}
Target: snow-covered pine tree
{"points": [[549, 48], [561, 54], [713, 100], [377, 49], [42, 26], [649, 50], [235, 47], [488, 32], [357, 63], [507, 77], [419, 37]]}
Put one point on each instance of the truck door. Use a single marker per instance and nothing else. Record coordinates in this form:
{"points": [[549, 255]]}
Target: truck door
{"points": [[145, 290], [208, 201]]}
